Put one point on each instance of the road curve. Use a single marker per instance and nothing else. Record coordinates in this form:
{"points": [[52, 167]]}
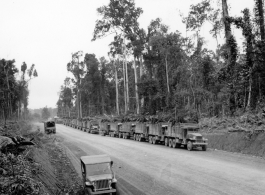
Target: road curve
{"points": [[143, 168]]}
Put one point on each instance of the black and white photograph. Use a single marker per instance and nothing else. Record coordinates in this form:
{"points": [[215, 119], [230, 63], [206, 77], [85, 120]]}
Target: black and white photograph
{"points": [[132, 97]]}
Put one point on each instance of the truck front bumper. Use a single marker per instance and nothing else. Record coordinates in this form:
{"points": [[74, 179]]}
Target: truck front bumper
{"points": [[104, 192], [199, 144]]}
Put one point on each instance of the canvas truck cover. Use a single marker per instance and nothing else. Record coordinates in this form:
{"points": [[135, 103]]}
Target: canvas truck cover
{"points": [[140, 128], [155, 129]]}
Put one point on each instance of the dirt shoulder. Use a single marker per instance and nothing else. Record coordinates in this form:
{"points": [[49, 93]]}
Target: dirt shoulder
{"points": [[43, 168], [59, 175]]}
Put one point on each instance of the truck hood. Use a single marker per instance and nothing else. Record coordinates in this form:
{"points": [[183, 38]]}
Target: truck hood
{"points": [[99, 177], [195, 134]]}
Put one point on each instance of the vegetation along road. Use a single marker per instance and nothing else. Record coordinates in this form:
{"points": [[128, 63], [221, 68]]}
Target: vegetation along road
{"points": [[143, 168]]}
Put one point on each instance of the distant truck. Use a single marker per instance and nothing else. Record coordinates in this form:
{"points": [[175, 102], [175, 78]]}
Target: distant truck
{"points": [[94, 127], [126, 130], [171, 135], [97, 174], [113, 129], [103, 128], [186, 134], [49, 127]]}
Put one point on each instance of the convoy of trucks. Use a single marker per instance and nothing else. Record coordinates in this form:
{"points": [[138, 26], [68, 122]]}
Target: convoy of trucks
{"points": [[171, 134]]}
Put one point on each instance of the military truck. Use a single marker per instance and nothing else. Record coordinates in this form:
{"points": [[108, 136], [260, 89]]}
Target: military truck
{"points": [[84, 123], [140, 132], [97, 174], [74, 123], [113, 129], [103, 128], [79, 124], [49, 127], [126, 130], [94, 127], [185, 134], [171, 135]]}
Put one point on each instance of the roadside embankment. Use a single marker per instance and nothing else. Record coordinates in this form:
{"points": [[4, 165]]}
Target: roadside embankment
{"points": [[41, 167], [244, 134]]}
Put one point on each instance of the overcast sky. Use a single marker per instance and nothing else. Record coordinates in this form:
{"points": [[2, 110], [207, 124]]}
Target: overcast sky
{"points": [[46, 32]]}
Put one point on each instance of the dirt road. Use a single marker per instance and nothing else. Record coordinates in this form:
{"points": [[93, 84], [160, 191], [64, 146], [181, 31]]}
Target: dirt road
{"points": [[143, 168]]}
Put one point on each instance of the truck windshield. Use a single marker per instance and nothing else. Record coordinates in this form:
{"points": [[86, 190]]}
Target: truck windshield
{"points": [[193, 130], [98, 169], [50, 124]]}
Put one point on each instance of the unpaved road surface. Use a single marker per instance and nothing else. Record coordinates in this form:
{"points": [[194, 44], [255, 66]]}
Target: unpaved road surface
{"points": [[142, 168]]}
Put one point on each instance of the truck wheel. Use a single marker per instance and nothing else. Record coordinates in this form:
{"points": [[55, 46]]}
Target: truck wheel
{"points": [[189, 146], [166, 142], [88, 191], [139, 139], [114, 186], [174, 144], [150, 140], [204, 148], [170, 143], [154, 140]]}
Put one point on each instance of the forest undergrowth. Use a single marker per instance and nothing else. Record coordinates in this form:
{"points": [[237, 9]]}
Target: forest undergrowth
{"points": [[43, 168], [241, 134]]}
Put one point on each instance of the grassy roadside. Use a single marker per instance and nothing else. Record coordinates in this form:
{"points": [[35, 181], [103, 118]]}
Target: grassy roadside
{"points": [[243, 134], [40, 169]]}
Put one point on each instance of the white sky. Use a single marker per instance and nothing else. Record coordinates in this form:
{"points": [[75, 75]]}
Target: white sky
{"points": [[46, 32]]}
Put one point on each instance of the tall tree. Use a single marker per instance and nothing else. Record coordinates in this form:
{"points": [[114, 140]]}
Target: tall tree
{"points": [[76, 67], [119, 17]]}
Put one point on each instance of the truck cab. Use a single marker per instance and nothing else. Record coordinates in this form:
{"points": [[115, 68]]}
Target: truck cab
{"points": [[94, 127], [191, 138], [49, 127], [97, 174]]}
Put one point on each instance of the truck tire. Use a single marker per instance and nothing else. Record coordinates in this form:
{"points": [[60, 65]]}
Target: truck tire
{"points": [[166, 142], [204, 148], [114, 186], [170, 143], [174, 143], [154, 140], [189, 146], [150, 139], [139, 139]]}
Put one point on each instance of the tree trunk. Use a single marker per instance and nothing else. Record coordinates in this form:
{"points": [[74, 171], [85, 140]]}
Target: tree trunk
{"points": [[261, 19], [141, 74], [167, 75], [249, 92], [127, 84], [117, 90], [77, 105], [125, 93], [136, 88], [103, 99], [80, 100], [227, 25], [141, 66]]}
